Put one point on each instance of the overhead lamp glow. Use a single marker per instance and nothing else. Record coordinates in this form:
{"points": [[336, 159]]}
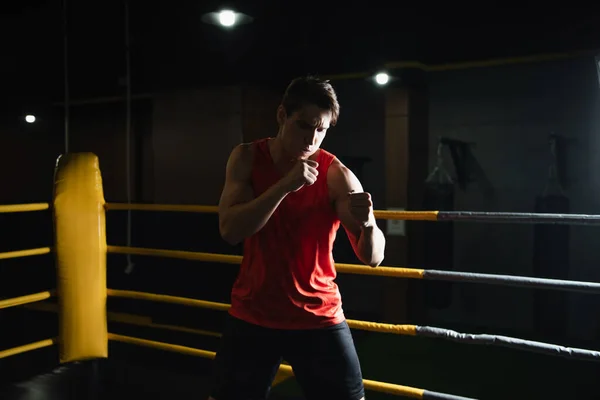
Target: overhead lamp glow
{"points": [[30, 119], [227, 18], [382, 78]]}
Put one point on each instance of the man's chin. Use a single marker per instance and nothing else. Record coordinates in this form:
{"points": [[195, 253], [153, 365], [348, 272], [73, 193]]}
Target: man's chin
{"points": [[306, 155], [301, 155]]}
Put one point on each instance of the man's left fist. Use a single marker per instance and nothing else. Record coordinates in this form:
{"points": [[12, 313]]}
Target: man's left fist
{"points": [[361, 207]]}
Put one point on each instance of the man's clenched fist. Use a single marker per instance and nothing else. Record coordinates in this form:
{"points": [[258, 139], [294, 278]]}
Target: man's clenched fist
{"points": [[361, 207], [303, 173]]}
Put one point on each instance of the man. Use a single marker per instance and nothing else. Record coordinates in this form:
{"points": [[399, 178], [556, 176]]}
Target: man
{"points": [[285, 198]]}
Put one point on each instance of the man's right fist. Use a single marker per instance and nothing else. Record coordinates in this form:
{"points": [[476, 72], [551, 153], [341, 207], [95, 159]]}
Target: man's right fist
{"points": [[303, 173]]}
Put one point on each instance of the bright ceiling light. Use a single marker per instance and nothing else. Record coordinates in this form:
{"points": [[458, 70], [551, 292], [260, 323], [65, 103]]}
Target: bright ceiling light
{"points": [[382, 78], [226, 18]]}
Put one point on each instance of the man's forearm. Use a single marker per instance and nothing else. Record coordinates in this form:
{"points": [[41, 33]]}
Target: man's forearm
{"points": [[371, 245], [244, 220]]}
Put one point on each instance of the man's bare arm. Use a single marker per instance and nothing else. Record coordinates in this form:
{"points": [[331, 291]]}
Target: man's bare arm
{"points": [[240, 214], [368, 241]]}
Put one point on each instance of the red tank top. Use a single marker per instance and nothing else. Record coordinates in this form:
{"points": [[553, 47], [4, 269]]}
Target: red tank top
{"points": [[286, 280]]}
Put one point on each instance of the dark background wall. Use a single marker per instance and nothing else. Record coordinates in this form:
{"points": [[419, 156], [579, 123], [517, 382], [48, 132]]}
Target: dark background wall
{"points": [[509, 113]]}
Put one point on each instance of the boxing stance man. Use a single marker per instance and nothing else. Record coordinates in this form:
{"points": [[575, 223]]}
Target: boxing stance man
{"points": [[285, 198]]}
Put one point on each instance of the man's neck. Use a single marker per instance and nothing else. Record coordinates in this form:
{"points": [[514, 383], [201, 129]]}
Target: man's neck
{"points": [[281, 159]]}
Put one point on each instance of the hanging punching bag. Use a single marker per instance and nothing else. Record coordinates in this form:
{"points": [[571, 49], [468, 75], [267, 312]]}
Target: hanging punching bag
{"points": [[438, 236], [551, 257]]}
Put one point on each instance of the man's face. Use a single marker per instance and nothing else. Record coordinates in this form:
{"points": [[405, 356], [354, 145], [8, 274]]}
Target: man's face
{"points": [[303, 131]]}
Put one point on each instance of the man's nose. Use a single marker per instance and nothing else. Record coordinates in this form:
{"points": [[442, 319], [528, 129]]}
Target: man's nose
{"points": [[310, 138]]}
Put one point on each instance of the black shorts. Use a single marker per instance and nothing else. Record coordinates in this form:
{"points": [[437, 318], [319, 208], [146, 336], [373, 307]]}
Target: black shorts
{"points": [[324, 361]]}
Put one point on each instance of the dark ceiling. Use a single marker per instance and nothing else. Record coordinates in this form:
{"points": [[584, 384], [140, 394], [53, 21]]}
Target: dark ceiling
{"points": [[171, 47]]}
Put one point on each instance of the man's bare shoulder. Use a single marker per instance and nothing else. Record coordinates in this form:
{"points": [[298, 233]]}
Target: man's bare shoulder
{"points": [[341, 179], [242, 155], [337, 173]]}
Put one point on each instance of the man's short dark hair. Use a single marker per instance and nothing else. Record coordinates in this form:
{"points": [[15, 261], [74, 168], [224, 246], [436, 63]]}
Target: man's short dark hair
{"points": [[311, 90]]}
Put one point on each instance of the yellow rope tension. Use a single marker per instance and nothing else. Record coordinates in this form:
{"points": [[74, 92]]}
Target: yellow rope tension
{"points": [[161, 207], [283, 368], [391, 388], [190, 351], [406, 215], [412, 273], [30, 298], [393, 272], [25, 253], [379, 214], [410, 330], [27, 347], [14, 208], [163, 298], [180, 254]]}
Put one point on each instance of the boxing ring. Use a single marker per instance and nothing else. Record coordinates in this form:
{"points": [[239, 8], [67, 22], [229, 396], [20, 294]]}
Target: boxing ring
{"points": [[81, 249]]}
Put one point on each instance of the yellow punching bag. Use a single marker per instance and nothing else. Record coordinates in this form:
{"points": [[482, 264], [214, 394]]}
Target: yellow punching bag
{"points": [[80, 236]]}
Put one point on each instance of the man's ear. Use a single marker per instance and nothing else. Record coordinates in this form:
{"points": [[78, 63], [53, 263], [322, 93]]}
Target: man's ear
{"points": [[281, 115]]}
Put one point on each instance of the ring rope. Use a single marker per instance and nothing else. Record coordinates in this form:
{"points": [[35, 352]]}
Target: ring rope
{"points": [[27, 299], [15, 208], [161, 207], [411, 273], [515, 218], [465, 216], [28, 347], [24, 253], [461, 216], [513, 281], [163, 298], [510, 342], [410, 330]]}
